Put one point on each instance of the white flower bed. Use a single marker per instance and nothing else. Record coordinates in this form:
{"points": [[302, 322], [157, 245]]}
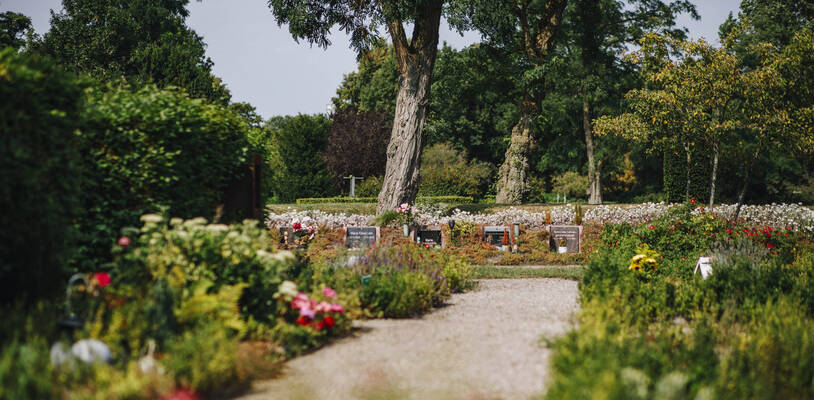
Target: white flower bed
{"points": [[776, 215]]}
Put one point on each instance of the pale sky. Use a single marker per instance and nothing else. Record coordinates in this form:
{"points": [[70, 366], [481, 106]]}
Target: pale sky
{"points": [[262, 65]]}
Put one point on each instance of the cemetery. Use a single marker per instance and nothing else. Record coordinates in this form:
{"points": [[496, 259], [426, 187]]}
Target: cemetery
{"points": [[586, 199]]}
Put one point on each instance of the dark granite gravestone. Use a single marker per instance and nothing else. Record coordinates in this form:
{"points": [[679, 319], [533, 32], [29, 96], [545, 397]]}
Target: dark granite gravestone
{"points": [[572, 235], [429, 236], [361, 236], [494, 234], [287, 235]]}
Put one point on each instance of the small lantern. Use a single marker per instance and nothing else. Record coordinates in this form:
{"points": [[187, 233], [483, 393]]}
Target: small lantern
{"points": [[451, 224]]}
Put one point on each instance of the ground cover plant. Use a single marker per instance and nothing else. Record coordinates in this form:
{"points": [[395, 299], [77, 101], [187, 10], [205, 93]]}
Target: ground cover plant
{"points": [[650, 328]]}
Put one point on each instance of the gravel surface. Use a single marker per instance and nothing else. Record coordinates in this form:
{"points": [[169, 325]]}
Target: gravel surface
{"points": [[484, 345]]}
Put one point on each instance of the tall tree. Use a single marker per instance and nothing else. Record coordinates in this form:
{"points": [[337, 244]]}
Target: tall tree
{"points": [[15, 28], [527, 27], [415, 58], [142, 41]]}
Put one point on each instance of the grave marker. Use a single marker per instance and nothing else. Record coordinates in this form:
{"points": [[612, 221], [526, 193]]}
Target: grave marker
{"points": [[494, 234], [572, 234], [429, 235], [361, 236]]}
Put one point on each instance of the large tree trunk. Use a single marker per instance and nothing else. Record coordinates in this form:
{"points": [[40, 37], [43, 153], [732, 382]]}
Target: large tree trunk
{"points": [[416, 58], [714, 176], [511, 184], [594, 186]]}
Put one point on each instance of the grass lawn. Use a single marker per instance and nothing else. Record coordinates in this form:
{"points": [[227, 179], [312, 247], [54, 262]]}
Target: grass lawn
{"points": [[492, 272]]}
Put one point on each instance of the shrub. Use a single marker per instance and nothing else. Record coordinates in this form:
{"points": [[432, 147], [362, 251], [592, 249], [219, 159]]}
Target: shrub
{"points": [[205, 360], [39, 171], [369, 187], [357, 145], [192, 250], [398, 293], [25, 371], [147, 150], [446, 171], [570, 184], [298, 142]]}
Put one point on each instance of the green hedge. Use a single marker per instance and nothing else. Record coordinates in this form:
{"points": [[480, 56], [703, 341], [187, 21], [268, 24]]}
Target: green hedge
{"points": [[420, 199], [152, 150], [39, 174]]}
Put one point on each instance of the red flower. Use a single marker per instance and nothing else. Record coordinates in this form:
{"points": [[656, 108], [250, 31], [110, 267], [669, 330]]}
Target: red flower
{"points": [[426, 245], [769, 245], [320, 325], [651, 227], [102, 278], [788, 228], [303, 321], [729, 231], [297, 226], [692, 201], [683, 258], [124, 241], [329, 322]]}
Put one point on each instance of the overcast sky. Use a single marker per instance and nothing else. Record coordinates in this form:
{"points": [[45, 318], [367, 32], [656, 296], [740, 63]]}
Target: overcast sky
{"points": [[262, 65]]}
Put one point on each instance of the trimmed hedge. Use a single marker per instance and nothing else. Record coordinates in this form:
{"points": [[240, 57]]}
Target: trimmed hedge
{"points": [[420, 199], [38, 168]]}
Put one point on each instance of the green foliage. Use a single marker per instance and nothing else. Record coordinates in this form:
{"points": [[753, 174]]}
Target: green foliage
{"points": [[204, 360], [570, 184], [40, 174], [13, 28], [26, 371], [298, 143], [445, 171], [144, 42], [148, 150], [398, 293], [369, 187], [675, 174], [668, 333]]}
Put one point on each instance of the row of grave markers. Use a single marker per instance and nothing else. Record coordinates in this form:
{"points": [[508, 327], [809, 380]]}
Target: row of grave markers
{"points": [[366, 236]]}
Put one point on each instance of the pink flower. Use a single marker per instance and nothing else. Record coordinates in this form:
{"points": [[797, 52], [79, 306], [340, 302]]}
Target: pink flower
{"points": [[301, 301], [328, 292], [323, 307], [102, 278], [124, 241], [336, 307], [307, 312]]}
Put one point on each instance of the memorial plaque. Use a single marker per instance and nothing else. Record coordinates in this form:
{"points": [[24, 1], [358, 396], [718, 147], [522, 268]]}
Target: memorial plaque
{"points": [[572, 234], [361, 236], [429, 236], [494, 234], [287, 235]]}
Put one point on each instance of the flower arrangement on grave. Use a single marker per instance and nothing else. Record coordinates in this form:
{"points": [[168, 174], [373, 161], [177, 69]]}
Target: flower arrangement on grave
{"points": [[304, 231], [405, 214], [645, 260]]}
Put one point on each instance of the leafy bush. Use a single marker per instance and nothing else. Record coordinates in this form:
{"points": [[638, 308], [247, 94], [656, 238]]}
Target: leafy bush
{"points": [[570, 184], [369, 187], [38, 168], [445, 171], [398, 293], [299, 141], [205, 360], [25, 371], [668, 333], [147, 150]]}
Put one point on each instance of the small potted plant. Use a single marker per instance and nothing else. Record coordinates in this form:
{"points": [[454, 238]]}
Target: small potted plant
{"points": [[562, 245]]}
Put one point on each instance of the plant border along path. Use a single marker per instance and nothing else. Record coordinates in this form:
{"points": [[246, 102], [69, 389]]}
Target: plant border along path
{"points": [[485, 344]]}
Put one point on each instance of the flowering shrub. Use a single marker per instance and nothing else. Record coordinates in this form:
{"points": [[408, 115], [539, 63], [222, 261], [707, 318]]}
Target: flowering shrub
{"points": [[304, 321], [645, 261], [405, 213]]}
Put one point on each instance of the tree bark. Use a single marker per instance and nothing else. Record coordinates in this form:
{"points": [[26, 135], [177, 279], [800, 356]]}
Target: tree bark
{"points": [[511, 184], [714, 176], [416, 59], [594, 186]]}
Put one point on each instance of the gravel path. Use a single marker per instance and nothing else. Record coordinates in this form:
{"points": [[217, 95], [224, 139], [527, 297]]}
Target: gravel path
{"points": [[483, 345]]}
